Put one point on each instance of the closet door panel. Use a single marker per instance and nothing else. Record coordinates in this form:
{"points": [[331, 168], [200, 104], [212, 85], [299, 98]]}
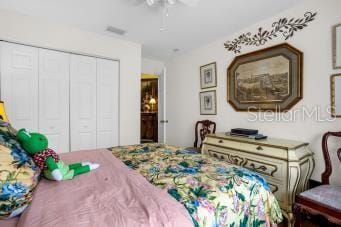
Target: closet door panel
{"points": [[107, 103], [19, 84], [83, 102], [54, 98]]}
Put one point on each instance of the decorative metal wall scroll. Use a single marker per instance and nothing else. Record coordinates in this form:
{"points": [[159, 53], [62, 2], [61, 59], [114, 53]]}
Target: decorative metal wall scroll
{"points": [[284, 26]]}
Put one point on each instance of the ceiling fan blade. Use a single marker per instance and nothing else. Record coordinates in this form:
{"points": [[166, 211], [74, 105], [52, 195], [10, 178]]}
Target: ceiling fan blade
{"points": [[189, 2], [150, 2]]}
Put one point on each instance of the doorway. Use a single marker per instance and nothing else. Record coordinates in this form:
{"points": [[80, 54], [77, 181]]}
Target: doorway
{"points": [[149, 108]]}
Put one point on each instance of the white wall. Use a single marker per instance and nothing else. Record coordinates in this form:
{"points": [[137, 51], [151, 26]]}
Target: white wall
{"points": [[183, 85], [29, 30], [150, 66]]}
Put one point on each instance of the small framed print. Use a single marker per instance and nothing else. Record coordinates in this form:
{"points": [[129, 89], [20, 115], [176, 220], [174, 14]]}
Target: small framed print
{"points": [[337, 46], [208, 75], [208, 103]]}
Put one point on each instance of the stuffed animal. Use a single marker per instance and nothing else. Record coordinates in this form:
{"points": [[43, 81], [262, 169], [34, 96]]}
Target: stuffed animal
{"points": [[48, 161]]}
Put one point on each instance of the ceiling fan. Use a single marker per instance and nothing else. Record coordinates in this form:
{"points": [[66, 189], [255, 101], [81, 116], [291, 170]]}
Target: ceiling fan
{"points": [[165, 4], [172, 2]]}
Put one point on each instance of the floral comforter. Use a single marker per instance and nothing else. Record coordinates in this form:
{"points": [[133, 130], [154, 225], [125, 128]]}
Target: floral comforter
{"points": [[18, 174], [214, 193]]}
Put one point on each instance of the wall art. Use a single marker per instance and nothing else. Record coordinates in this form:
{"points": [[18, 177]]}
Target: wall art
{"points": [[268, 79], [285, 27], [208, 103], [208, 75]]}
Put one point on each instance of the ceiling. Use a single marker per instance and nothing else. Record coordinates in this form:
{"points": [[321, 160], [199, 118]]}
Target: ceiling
{"points": [[186, 27]]}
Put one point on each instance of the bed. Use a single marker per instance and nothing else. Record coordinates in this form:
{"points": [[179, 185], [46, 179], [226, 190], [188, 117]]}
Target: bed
{"points": [[152, 185], [214, 193], [112, 195]]}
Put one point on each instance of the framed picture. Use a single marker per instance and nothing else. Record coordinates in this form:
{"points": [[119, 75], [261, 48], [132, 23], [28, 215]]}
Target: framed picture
{"points": [[208, 103], [337, 46], [268, 79], [335, 94], [208, 75]]}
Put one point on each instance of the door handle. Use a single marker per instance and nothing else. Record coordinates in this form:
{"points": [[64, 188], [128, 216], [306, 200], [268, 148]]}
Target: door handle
{"points": [[164, 121]]}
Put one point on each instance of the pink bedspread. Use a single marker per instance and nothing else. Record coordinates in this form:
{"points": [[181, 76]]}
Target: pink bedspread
{"points": [[113, 195], [9, 222]]}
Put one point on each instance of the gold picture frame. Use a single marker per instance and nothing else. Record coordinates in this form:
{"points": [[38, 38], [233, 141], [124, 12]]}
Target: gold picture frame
{"points": [[267, 79], [208, 75], [335, 95], [337, 46]]}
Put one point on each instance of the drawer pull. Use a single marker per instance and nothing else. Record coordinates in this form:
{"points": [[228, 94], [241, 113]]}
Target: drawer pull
{"points": [[263, 168], [220, 141], [259, 148], [236, 160]]}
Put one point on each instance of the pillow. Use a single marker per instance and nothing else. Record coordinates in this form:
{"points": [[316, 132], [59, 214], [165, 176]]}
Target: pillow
{"points": [[18, 174]]}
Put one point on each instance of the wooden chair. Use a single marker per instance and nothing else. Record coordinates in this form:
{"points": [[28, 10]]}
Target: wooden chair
{"points": [[202, 128], [324, 200]]}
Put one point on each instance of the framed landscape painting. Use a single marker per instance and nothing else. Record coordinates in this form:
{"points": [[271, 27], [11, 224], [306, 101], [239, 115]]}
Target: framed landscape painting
{"points": [[208, 76], [208, 103], [268, 79]]}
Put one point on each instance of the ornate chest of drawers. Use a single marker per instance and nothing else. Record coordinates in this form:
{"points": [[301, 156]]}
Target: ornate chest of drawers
{"points": [[286, 165]]}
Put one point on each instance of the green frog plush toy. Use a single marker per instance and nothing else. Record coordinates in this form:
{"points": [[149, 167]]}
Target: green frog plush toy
{"points": [[48, 161]]}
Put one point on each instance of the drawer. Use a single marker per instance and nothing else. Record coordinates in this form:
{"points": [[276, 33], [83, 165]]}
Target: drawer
{"points": [[222, 143], [226, 155], [269, 167], [265, 151], [252, 148], [266, 166]]}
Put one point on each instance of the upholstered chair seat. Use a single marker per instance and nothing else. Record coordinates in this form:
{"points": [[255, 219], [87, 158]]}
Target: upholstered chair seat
{"points": [[324, 200], [325, 195]]}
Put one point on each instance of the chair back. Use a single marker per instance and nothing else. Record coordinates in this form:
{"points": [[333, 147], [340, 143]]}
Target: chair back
{"points": [[328, 164], [202, 128]]}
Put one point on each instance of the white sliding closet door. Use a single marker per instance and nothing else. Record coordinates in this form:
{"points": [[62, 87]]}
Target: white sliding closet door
{"points": [[107, 103], [19, 84], [83, 102], [54, 98]]}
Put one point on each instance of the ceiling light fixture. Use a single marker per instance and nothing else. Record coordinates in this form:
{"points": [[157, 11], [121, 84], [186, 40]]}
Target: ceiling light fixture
{"points": [[172, 2], [165, 5], [150, 2], [165, 14]]}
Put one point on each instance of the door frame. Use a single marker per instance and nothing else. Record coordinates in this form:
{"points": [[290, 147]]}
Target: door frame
{"points": [[162, 113]]}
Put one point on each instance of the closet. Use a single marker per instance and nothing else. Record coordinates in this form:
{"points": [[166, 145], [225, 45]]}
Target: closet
{"points": [[53, 96], [72, 99], [83, 106]]}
